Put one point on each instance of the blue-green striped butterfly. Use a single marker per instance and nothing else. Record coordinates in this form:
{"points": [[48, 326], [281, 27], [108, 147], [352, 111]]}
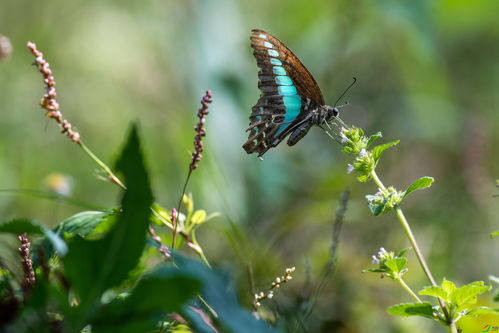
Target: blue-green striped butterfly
{"points": [[290, 101]]}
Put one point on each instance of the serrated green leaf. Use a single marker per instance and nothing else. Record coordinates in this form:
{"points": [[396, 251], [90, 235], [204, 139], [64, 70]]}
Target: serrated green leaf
{"points": [[373, 138], [481, 311], [419, 184], [467, 294], [434, 291], [95, 266], [494, 234], [412, 309], [448, 286], [396, 264], [378, 150], [21, 226]]}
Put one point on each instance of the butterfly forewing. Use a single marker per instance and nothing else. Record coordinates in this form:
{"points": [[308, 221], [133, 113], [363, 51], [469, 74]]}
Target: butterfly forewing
{"points": [[288, 92]]}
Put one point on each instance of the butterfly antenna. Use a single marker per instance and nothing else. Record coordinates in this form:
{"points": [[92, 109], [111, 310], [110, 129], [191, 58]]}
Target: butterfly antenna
{"points": [[345, 91]]}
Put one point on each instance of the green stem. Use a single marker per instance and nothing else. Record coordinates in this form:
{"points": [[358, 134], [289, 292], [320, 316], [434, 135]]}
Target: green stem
{"points": [[415, 246], [102, 165], [409, 290]]}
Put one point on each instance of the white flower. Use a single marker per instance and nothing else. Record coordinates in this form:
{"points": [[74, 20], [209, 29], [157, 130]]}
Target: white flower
{"points": [[343, 137], [362, 153], [350, 168], [375, 260]]}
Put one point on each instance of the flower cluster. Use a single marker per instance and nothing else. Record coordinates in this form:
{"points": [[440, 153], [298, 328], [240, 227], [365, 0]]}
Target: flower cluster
{"points": [[389, 264], [200, 131], [48, 101], [384, 200], [275, 285], [29, 273]]}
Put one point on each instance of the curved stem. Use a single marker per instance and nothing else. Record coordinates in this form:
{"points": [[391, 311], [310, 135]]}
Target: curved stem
{"points": [[409, 290], [415, 246]]}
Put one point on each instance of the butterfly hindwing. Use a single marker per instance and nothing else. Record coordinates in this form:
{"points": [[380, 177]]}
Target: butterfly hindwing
{"points": [[288, 91]]}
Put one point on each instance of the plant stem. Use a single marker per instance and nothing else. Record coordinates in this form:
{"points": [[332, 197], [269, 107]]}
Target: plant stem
{"points": [[178, 207], [409, 290], [102, 165], [415, 246]]}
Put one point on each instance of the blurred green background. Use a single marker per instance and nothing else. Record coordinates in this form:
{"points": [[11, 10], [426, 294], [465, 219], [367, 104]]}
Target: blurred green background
{"points": [[428, 75]]}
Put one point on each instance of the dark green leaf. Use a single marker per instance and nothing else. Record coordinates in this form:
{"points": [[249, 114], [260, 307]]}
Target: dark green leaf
{"points": [[221, 296], [164, 291], [95, 266], [421, 183], [378, 150], [21, 226], [412, 309]]}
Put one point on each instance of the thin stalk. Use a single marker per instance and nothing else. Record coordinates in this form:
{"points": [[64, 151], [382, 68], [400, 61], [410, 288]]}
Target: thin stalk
{"points": [[102, 165], [409, 290], [175, 223], [415, 246]]}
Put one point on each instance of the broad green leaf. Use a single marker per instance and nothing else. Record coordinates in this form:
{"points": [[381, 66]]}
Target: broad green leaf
{"points": [[448, 286], [373, 138], [82, 224], [396, 264], [433, 291], [412, 309], [378, 150], [95, 266], [421, 183], [467, 294], [494, 234], [482, 311], [145, 305], [218, 292], [21, 226]]}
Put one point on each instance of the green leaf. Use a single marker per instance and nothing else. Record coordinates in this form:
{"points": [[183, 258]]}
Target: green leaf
{"points": [[467, 294], [378, 150], [146, 305], [21, 226], [434, 291], [481, 311], [403, 251], [396, 264], [448, 286], [198, 217], [373, 138], [95, 266], [218, 292], [374, 270], [412, 309], [494, 234], [419, 184], [82, 224]]}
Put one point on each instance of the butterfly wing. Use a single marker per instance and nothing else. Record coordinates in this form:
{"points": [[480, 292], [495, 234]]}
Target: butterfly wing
{"points": [[288, 92]]}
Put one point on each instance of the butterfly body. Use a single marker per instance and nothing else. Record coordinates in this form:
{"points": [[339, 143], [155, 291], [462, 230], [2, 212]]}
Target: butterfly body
{"points": [[290, 102]]}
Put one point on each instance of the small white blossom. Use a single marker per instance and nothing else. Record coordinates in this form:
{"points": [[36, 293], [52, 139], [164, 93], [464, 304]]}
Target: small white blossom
{"points": [[270, 295], [343, 137], [362, 153], [375, 260], [350, 168]]}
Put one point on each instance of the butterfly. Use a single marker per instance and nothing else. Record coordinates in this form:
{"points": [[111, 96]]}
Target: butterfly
{"points": [[290, 102]]}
